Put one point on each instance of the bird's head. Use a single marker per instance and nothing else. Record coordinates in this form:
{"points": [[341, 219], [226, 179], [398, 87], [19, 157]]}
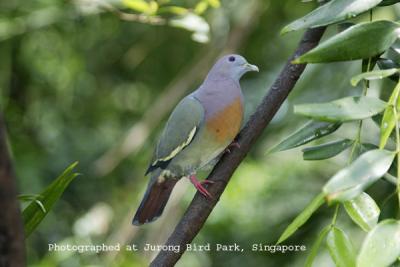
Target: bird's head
{"points": [[231, 66]]}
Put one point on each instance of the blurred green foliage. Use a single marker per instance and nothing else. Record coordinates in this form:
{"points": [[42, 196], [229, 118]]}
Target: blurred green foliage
{"points": [[76, 76]]}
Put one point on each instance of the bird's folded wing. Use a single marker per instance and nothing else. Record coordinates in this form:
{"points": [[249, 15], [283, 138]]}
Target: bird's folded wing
{"points": [[180, 130]]}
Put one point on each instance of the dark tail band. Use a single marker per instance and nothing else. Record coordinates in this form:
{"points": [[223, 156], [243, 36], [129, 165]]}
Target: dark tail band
{"points": [[154, 201]]}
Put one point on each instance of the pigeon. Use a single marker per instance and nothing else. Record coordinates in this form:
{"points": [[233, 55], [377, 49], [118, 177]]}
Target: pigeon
{"points": [[201, 127]]}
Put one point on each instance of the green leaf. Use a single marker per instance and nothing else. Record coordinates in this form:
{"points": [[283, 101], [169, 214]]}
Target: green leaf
{"points": [[194, 23], [389, 119], [332, 12], [137, 5], [342, 110], [316, 245], [214, 3], [327, 150], [33, 214], [312, 130], [363, 40], [393, 52], [363, 211], [201, 7], [340, 248], [381, 247], [352, 180], [34, 198], [373, 75], [302, 217], [384, 64], [388, 2]]}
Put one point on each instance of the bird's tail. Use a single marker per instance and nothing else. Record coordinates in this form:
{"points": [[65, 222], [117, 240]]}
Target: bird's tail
{"points": [[154, 200]]}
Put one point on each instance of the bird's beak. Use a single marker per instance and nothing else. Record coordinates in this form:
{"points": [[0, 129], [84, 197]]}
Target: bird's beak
{"points": [[251, 67]]}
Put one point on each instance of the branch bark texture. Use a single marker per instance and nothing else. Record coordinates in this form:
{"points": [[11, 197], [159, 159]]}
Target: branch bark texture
{"points": [[12, 248], [200, 208]]}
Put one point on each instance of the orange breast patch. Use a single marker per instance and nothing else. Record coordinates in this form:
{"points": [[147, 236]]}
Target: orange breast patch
{"points": [[226, 123]]}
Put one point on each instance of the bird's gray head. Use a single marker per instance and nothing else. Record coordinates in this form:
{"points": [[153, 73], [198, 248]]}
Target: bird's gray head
{"points": [[231, 66]]}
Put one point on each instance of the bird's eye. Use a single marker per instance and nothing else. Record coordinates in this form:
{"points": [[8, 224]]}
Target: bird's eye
{"points": [[231, 58]]}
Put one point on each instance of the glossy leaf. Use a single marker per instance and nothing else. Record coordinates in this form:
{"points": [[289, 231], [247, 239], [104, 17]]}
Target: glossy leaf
{"points": [[363, 40], [363, 211], [315, 247], [310, 131], [384, 64], [373, 75], [141, 6], [341, 248], [33, 214], [381, 247], [332, 12], [302, 217], [389, 119], [349, 182], [327, 150], [342, 110]]}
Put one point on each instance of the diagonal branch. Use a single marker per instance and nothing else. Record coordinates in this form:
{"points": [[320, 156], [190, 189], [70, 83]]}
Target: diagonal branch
{"points": [[200, 208], [12, 248]]}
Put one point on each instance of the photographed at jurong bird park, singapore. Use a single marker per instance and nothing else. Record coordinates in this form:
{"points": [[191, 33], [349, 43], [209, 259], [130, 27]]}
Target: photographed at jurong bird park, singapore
{"points": [[200, 133]]}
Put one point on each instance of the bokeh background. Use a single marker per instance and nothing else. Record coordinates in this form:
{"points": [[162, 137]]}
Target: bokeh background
{"points": [[81, 80]]}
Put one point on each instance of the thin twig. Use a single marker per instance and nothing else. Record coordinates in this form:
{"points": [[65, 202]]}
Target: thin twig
{"points": [[200, 208]]}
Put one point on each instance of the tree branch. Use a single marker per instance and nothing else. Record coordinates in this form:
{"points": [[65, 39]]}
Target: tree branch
{"points": [[200, 208], [12, 248]]}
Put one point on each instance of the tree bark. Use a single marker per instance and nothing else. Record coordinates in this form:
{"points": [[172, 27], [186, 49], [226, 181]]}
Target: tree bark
{"points": [[200, 208], [12, 248]]}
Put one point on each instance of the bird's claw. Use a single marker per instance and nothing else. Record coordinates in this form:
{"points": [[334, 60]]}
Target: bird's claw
{"points": [[233, 144], [199, 185]]}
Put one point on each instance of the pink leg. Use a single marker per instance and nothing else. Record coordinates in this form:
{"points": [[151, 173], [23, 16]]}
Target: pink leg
{"points": [[199, 185], [233, 144]]}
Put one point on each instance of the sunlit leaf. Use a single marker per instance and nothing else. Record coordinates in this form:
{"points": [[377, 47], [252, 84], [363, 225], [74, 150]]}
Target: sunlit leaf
{"points": [[373, 75], [332, 12], [138, 5], [352, 180], [315, 247], [194, 23], [341, 248], [214, 3], [201, 7], [342, 110], [33, 214], [363, 211], [389, 119], [302, 217], [363, 40], [311, 131], [381, 247], [326, 151]]}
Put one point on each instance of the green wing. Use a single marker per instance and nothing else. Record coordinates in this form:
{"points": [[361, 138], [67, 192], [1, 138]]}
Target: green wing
{"points": [[180, 130]]}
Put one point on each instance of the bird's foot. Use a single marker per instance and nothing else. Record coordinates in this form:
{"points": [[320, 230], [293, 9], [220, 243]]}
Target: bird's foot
{"points": [[199, 185], [233, 144]]}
